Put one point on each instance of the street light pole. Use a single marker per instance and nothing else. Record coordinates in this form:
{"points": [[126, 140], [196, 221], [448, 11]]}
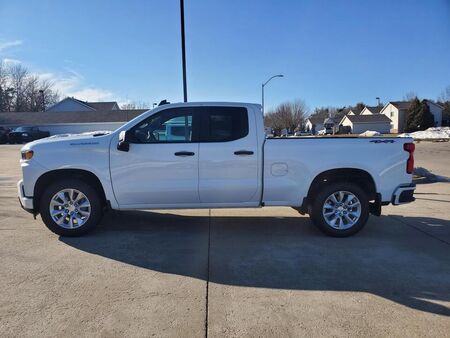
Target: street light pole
{"points": [[183, 50], [262, 89]]}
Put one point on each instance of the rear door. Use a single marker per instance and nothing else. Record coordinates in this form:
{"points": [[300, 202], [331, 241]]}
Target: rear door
{"points": [[228, 162]]}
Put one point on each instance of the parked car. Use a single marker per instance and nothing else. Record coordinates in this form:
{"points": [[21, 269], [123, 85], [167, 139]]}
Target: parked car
{"points": [[223, 160], [302, 133], [4, 134], [26, 134]]}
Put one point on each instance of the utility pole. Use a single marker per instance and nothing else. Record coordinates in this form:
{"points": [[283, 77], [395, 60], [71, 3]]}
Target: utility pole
{"points": [[183, 50]]}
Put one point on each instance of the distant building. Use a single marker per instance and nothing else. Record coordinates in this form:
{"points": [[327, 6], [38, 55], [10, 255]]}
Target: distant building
{"points": [[371, 110], [71, 104], [397, 111], [70, 122], [71, 116], [361, 123], [436, 109], [354, 111], [314, 124]]}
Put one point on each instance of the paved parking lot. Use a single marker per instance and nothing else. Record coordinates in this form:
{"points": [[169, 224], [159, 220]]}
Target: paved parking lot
{"points": [[246, 272]]}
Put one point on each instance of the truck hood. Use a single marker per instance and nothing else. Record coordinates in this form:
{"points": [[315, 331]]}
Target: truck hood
{"points": [[81, 138]]}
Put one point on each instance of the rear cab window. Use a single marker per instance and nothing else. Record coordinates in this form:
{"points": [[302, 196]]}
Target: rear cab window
{"points": [[224, 124]]}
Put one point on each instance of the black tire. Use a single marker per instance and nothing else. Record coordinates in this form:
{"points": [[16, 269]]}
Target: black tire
{"points": [[94, 199], [316, 208]]}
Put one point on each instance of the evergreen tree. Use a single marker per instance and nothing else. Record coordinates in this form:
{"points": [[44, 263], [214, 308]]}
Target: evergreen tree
{"points": [[419, 116]]}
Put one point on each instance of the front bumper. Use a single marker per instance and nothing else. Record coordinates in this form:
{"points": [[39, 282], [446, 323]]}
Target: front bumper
{"points": [[404, 194], [26, 202]]}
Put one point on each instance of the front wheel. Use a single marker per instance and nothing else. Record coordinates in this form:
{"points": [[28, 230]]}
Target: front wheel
{"points": [[70, 207], [340, 209]]}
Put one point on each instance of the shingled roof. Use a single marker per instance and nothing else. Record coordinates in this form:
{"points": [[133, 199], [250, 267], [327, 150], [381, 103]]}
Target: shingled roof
{"points": [[401, 104], [368, 118], [316, 119], [36, 118], [374, 109], [103, 105]]}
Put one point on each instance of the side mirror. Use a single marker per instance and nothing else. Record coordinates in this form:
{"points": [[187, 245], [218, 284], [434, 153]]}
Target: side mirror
{"points": [[124, 144]]}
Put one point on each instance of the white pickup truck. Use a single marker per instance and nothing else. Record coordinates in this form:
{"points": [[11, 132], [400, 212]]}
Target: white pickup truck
{"points": [[212, 155]]}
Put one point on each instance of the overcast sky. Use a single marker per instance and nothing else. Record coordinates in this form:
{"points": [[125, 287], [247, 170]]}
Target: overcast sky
{"points": [[331, 52]]}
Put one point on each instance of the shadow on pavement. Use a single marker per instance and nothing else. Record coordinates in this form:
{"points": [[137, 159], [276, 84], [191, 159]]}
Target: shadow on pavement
{"points": [[387, 258]]}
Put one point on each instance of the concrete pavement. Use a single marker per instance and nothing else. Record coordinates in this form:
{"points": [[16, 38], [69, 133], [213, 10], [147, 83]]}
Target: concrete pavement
{"points": [[245, 272]]}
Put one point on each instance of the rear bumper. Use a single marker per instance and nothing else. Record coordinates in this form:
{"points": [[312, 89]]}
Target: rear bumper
{"points": [[404, 194], [26, 202]]}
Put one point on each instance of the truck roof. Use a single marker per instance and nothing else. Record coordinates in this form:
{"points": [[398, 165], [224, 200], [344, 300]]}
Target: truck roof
{"points": [[211, 103]]}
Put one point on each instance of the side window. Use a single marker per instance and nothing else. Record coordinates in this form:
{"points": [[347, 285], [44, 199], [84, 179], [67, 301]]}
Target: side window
{"points": [[169, 126], [222, 124]]}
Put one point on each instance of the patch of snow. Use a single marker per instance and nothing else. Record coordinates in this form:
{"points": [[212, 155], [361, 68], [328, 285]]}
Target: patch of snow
{"points": [[370, 133], [321, 132], [432, 133]]}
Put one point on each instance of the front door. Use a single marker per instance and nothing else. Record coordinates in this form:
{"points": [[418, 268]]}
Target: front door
{"points": [[161, 166]]}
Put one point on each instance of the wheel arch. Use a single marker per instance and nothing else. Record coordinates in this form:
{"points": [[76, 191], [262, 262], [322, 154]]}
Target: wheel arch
{"points": [[356, 176], [55, 175]]}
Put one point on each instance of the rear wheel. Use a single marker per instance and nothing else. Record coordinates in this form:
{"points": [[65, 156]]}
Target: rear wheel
{"points": [[70, 207], [340, 209]]}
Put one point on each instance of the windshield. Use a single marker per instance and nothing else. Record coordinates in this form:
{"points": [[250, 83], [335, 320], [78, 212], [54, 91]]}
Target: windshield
{"points": [[23, 129]]}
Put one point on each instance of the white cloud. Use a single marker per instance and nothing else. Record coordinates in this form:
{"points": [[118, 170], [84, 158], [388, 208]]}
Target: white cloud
{"points": [[9, 44], [72, 84], [11, 61], [92, 94]]}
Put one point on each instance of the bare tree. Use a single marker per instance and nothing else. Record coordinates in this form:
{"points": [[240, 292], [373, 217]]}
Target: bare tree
{"points": [[135, 105], [445, 96], [410, 96], [289, 115], [22, 91]]}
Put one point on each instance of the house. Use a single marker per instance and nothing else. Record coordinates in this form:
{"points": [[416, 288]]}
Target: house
{"points": [[397, 111], [360, 123], [314, 124], [371, 110], [71, 104], [436, 109], [69, 121], [331, 125]]}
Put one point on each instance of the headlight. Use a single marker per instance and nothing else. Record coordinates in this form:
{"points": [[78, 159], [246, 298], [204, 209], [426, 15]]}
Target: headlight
{"points": [[24, 134], [27, 154]]}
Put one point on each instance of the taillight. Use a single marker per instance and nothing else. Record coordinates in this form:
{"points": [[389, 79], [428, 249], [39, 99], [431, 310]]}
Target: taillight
{"points": [[409, 147]]}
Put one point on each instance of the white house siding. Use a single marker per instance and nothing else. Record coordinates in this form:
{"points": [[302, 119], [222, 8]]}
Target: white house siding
{"points": [[366, 111], [381, 127], [393, 113], [347, 122], [309, 126], [437, 113]]}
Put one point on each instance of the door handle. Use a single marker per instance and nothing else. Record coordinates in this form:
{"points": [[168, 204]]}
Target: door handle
{"points": [[243, 152], [184, 153]]}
